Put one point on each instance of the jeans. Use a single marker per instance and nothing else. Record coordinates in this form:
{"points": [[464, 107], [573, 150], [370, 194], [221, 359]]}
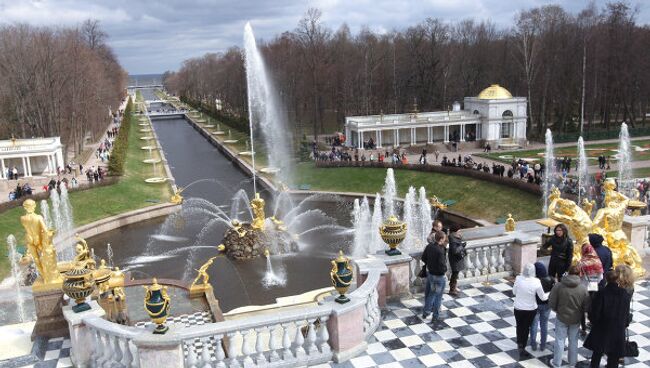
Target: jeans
{"points": [[562, 331], [433, 294], [541, 319], [524, 319]]}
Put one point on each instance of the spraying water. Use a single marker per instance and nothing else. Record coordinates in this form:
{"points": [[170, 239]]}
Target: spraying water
{"points": [[425, 216], [271, 278], [45, 212], [109, 255], [376, 243], [263, 110], [16, 273], [62, 219], [410, 217], [624, 160], [361, 221], [549, 167], [390, 193], [583, 171]]}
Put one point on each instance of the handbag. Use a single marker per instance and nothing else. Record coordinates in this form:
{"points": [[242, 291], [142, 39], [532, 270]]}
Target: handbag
{"points": [[631, 347], [423, 271]]}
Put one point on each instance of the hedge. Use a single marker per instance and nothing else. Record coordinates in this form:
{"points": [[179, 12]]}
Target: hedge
{"points": [[121, 143]]}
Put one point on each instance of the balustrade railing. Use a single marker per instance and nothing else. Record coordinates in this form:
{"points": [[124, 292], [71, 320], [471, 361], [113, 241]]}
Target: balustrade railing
{"points": [[486, 258], [112, 344]]}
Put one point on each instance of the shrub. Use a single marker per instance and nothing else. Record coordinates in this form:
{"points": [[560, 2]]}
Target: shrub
{"points": [[121, 143]]}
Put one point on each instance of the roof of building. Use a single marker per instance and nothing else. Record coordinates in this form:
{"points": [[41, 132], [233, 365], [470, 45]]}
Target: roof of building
{"points": [[494, 92]]}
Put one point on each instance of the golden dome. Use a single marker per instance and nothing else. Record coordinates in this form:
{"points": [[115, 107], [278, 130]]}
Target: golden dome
{"points": [[494, 92]]}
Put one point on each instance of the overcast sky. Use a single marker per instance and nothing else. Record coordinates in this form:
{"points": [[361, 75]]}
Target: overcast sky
{"points": [[151, 36]]}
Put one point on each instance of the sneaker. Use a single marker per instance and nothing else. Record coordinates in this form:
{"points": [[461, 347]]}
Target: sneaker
{"points": [[523, 354], [425, 315]]}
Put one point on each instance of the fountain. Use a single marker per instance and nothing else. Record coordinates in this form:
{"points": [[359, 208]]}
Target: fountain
{"points": [[625, 182], [362, 227], [549, 169], [16, 274], [390, 193], [230, 140], [583, 170], [376, 244], [63, 223], [271, 278], [424, 216], [410, 217], [265, 113]]}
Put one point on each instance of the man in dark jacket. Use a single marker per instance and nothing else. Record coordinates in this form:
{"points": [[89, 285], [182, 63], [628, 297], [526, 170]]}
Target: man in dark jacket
{"points": [[434, 257], [604, 253], [609, 313], [456, 257]]}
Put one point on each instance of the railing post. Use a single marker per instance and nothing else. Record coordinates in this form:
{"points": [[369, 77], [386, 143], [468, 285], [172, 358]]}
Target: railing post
{"points": [[81, 337], [523, 251], [345, 327], [158, 351]]}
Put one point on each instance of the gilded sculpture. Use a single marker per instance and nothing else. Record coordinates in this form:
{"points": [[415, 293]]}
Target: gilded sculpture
{"points": [[177, 198], [257, 205], [510, 224], [39, 245], [197, 289], [83, 255]]}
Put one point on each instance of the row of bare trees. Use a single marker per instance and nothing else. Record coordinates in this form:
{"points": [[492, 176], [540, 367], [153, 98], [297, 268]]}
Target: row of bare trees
{"points": [[596, 61], [58, 82]]}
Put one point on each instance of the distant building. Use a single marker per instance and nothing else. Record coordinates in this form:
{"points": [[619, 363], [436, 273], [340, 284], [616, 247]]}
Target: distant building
{"points": [[31, 157], [493, 116]]}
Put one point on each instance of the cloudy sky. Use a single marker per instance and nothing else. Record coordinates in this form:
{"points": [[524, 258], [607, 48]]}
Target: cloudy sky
{"points": [[151, 36]]}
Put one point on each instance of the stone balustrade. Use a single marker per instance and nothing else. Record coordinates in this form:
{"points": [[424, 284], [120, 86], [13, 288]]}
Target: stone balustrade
{"points": [[292, 337]]}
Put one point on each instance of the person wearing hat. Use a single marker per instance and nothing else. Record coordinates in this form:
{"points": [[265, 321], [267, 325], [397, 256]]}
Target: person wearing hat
{"points": [[603, 251]]}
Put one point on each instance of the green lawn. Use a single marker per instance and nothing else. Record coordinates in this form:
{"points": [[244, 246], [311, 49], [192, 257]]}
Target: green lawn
{"points": [[592, 150], [130, 193], [475, 198]]}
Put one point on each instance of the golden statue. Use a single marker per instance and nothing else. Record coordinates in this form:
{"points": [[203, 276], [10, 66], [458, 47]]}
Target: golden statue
{"points": [[510, 223], [588, 206], [177, 198], [257, 205], [608, 222], [196, 288], [39, 245], [83, 257], [435, 202], [574, 217]]}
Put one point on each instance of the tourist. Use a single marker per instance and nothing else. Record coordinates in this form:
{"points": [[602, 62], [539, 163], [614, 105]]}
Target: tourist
{"points": [[436, 227], [436, 153], [543, 310], [15, 172], [609, 316], [591, 272], [626, 278], [457, 255], [434, 258], [569, 300], [525, 289], [604, 253], [561, 251]]}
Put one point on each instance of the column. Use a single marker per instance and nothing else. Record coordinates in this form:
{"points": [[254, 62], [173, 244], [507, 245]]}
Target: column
{"points": [[51, 161], [429, 134], [29, 167], [359, 139], [380, 143], [4, 169], [445, 136], [462, 132], [348, 137], [24, 170], [413, 136], [378, 138], [59, 159], [397, 137]]}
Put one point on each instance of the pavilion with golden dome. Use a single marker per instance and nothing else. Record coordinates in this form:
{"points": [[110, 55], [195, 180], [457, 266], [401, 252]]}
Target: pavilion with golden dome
{"points": [[494, 116]]}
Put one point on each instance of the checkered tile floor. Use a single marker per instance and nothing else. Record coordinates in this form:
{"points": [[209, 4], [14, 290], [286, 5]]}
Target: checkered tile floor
{"points": [[477, 329]]}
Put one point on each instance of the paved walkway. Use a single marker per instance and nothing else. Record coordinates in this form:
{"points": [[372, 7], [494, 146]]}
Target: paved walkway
{"points": [[477, 330]]}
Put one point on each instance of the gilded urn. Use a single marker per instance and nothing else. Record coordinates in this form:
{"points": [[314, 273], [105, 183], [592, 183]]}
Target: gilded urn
{"points": [[341, 276], [156, 303], [78, 285], [393, 232]]}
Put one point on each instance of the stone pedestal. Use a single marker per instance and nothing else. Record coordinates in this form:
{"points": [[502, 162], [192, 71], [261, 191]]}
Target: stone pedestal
{"points": [[158, 351], [48, 302], [523, 251], [81, 341], [397, 281], [635, 228], [346, 331]]}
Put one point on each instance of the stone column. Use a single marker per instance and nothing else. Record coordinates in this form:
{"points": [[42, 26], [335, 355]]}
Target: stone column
{"points": [[359, 139], [4, 169], [462, 132], [429, 134], [635, 228], [48, 301], [381, 140], [29, 167], [348, 137], [378, 138], [446, 134], [523, 251], [81, 340], [413, 136], [395, 137], [159, 351], [24, 166]]}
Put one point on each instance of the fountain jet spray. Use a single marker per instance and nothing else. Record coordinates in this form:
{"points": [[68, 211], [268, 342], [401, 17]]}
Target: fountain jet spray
{"points": [[583, 170], [624, 161], [549, 168]]}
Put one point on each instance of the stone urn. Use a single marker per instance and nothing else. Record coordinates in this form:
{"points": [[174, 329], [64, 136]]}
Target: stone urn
{"points": [[156, 303], [341, 276], [393, 232], [78, 285]]}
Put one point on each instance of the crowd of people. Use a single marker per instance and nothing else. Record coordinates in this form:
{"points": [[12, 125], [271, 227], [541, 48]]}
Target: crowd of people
{"points": [[589, 289]]}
